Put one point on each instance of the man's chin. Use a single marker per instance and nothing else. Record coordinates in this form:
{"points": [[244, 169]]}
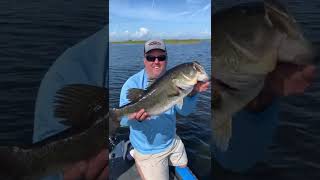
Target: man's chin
{"points": [[157, 72]]}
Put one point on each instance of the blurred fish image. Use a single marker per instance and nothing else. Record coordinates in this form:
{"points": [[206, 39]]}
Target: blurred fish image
{"points": [[248, 42], [84, 109]]}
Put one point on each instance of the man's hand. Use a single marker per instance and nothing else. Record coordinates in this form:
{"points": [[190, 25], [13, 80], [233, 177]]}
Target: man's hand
{"points": [[199, 87], [286, 79], [290, 79], [140, 115], [94, 168]]}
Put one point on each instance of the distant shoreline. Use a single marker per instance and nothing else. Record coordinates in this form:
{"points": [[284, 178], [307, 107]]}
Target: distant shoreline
{"points": [[167, 41]]}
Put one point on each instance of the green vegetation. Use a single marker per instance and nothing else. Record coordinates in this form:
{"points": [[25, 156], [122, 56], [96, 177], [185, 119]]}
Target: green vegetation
{"points": [[128, 42], [167, 41]]}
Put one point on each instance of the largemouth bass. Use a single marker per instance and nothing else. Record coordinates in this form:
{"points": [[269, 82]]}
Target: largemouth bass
{"points": [[165, 92], [248, 42], [82, 107]]}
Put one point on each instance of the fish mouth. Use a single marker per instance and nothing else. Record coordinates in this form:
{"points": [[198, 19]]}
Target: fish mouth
{"points": [[179, 88]]}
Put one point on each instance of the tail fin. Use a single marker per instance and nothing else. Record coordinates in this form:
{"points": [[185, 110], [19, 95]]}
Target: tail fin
{"points": [[114, 120], [81, 105]]}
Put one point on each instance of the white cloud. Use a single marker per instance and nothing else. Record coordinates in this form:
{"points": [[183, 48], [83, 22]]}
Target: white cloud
{"points": [[141, 33], [113, 33]]}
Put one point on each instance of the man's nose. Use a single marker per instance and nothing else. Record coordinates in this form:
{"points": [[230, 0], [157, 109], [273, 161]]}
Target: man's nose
{"points": [[156, 60]]}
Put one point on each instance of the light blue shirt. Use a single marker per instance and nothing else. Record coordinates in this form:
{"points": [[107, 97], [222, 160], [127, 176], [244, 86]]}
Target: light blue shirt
{"points": [[156, 134], [252, 134], [86, 63]]}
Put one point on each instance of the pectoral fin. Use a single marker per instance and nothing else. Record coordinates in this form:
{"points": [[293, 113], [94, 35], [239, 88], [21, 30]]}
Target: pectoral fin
{"points": [[134, 94], [222, 130]]}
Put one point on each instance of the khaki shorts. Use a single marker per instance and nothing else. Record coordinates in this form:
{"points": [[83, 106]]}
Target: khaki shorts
{"points": [[156, 166]]}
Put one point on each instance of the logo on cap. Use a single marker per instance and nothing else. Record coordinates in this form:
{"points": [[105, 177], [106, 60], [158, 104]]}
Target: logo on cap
{"points": [[154, 43]]}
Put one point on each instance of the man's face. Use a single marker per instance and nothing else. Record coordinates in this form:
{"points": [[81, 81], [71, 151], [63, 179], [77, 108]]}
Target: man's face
{"points": [[155, 67]]}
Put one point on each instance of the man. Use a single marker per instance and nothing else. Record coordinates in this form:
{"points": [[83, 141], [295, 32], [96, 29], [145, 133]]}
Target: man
{"points": [[154, 138], [83, 63]]}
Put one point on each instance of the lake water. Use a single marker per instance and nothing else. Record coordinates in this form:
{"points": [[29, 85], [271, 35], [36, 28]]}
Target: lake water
{"points": [[127, 59]]}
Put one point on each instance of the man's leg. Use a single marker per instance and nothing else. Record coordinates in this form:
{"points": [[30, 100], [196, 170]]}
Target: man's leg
{"points": [[152, 166], [178, 155]]}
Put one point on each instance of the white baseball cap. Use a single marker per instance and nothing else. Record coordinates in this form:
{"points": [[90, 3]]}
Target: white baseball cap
{"points": [[154, 44]]}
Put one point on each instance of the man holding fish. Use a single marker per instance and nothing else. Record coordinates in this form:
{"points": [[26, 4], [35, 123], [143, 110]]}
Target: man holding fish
{"points": [[153, 137]]}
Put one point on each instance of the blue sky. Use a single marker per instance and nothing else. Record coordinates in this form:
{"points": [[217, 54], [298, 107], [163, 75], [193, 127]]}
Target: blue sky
{"points": [[145, 19]]}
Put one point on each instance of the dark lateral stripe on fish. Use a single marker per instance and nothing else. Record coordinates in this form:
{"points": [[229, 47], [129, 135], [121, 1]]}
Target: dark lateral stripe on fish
{"points": [[80, 105]]}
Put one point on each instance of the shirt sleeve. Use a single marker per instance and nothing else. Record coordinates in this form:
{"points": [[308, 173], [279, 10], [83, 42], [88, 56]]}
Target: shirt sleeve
{"points": [[189, 105], [252, 134], [123, 100]]}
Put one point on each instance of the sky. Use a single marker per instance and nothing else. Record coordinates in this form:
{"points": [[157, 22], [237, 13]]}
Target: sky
{"points": [[164, 19]]}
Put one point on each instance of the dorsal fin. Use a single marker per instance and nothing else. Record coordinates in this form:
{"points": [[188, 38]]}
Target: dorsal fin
{"points": [[80, 105]]}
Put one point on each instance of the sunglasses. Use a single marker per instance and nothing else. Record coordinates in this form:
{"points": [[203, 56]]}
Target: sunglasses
{"points": [[151, 58]]}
